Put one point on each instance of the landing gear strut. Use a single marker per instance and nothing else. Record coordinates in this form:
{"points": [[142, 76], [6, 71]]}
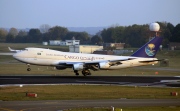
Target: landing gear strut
{"points": [[86, 72], [28, 69]]}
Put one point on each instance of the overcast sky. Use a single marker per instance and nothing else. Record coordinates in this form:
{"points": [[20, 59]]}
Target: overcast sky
{"points": [[86, 13]]}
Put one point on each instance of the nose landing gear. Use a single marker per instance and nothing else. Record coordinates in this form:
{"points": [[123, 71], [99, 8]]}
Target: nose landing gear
{"points": [[28, 69]]}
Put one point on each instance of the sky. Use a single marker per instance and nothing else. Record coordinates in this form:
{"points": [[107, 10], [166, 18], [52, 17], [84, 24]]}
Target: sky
{"points": [[86, 13]]}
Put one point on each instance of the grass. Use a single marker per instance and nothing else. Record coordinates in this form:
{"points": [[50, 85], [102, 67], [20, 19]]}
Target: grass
{"points": [[81, 92], [14, 68], [171, 108], [21, 46]]}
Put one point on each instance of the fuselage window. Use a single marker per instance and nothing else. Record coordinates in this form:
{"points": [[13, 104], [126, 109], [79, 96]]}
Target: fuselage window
{"points": [[38, 53]]}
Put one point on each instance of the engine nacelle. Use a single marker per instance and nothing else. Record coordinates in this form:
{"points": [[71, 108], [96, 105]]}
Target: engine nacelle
{"points": [[78, 66], [104, 65], [60, 67]]}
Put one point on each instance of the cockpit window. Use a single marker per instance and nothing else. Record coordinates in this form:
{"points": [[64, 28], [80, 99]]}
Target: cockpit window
{"points": [[38, 53]]}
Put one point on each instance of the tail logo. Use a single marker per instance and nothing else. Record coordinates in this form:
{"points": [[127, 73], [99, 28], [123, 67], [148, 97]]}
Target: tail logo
{"points": [[149, 49]]}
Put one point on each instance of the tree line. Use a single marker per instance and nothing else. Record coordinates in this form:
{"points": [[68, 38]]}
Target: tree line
{"points": [[133, 36], [35, 35], [137, 35]]}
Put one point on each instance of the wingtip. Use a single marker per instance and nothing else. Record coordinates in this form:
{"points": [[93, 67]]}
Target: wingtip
{"points": [[9, 48]]}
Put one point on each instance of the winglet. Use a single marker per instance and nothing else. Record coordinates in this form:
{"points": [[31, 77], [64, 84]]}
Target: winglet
{"points": [[12, 50], [150, 49]]}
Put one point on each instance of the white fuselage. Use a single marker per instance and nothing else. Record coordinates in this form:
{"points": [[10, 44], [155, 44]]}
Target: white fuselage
{"points": [[47, 57]]}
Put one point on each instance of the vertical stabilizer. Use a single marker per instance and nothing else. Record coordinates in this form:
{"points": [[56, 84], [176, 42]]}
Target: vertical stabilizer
{"points": [[150, 49]]}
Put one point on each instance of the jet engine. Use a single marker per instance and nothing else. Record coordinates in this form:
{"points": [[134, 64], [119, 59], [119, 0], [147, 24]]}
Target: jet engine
{"points": [[78, 66], [104, 65], [60, 67]]}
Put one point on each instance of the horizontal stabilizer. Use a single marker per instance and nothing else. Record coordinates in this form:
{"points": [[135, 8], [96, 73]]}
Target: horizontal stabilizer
{"points": [[147, 61]]}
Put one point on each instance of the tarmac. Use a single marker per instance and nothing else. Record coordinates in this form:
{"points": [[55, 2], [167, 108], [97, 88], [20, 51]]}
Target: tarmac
{"points": [[60, 105], [153, 81]]}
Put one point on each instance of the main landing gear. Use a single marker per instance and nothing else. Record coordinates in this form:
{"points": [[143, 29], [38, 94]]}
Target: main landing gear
{"points": [[85, 72], [76, 72], [28, 69]]}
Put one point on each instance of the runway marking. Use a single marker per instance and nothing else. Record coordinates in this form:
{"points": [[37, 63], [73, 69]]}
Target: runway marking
{"points": [[118, 83], [90, 81], [170, 81]]}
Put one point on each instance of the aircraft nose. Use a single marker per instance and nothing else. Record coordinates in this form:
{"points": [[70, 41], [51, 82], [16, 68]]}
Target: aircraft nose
{"points": [[16, 55]]}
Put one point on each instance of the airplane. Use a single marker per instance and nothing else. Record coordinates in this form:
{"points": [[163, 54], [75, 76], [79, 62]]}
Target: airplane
{"points": [[86, 62]]}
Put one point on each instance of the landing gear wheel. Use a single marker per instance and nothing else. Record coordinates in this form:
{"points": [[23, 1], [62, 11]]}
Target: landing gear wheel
{"points": [[28, 69], [76, 72], [86, 72]]}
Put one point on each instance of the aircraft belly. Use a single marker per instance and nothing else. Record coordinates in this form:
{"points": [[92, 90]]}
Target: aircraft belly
{"points": [[121, 66], [38, 61]]}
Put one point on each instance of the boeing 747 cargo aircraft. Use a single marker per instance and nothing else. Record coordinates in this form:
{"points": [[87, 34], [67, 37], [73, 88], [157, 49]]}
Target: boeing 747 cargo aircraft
{"points": [[86, 62]]}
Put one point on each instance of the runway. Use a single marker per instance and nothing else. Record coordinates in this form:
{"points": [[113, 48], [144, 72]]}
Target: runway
{"points": [[59, 105], [155, 81]]}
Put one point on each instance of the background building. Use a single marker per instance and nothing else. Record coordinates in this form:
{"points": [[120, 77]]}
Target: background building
{"points": [[84, 48], [174, 46], [54, 42], [72, 42], [64, 43], [112, 46]]}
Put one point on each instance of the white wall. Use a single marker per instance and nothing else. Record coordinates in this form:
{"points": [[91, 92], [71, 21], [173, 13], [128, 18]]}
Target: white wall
{"points": [[84, 48]]}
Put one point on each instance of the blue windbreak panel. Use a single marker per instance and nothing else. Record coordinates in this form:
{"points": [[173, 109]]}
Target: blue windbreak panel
{"points": [[150, 49]]}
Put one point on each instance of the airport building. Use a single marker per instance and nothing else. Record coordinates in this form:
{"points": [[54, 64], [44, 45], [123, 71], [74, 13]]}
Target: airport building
{"points": [[64, 43], [72, 42], [174, 46], [112, 46], [54, 42], [89, 49]]}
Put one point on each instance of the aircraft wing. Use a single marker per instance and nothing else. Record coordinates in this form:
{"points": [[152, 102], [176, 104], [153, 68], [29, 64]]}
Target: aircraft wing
{"points": [[110, 62]]}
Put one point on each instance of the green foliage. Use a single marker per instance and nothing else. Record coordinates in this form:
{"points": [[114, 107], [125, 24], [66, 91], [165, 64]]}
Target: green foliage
{"points": [[176, 34], [34, 36], [9, 38], [13, 31], [96, 40], [57, 32], [133, 36], [82, 36], [79, 92], [3, 34], [137, 35]]}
